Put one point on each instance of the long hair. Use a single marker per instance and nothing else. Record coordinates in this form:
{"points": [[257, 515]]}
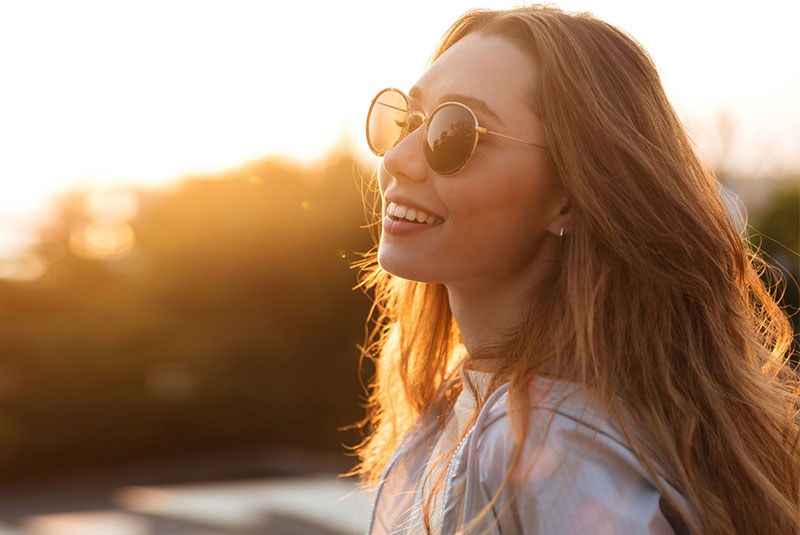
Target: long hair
{"points": [[656, 300]]}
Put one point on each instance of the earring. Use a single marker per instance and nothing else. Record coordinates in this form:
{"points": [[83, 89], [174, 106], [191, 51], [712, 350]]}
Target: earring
{"points": [[561, 234]]}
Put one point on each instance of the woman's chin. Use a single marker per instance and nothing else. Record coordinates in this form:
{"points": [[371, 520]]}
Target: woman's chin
{"points": [[406, 266]]}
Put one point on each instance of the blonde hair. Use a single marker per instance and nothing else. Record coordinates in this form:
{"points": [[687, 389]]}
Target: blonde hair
{"points": [[656, 301]]}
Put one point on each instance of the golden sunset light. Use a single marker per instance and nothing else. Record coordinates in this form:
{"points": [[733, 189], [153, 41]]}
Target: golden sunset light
{"points": [[222, 312], [100, 93]]}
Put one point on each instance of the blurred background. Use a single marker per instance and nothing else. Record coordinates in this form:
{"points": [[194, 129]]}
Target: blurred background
{"points": [[180, 204]]}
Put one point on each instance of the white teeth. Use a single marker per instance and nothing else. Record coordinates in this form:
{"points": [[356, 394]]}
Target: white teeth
{"points": [[411, 214]]}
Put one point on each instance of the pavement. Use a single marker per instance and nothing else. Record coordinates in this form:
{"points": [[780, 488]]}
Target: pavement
{"points": [[291, 496]]}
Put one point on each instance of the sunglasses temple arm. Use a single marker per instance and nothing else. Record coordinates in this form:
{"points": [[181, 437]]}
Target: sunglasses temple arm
{"points": [[483, 130]]}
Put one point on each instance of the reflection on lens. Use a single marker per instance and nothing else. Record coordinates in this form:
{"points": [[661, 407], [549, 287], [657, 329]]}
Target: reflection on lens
{"points": [[450, 138], [386, 121]]}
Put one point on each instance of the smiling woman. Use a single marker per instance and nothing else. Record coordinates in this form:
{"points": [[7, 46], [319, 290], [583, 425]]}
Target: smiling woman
{"points": [[570, 336]]}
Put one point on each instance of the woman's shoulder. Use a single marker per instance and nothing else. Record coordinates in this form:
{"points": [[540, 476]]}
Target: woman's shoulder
{"points": [[573, 459], [564, 420], [554, 407]]}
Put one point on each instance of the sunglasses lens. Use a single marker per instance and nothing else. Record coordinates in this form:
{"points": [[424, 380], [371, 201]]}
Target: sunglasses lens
{"points": [[450, 138], [386, 121]]}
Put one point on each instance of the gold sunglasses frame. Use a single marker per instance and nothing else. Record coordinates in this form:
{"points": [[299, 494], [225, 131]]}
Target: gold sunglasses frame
{"points": [[478, 128]]}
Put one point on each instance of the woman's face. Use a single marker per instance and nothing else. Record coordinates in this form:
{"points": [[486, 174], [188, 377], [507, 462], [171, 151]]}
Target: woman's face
{"points": [[498, 211]]}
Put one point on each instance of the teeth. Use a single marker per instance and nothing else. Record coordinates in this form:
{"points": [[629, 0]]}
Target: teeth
{"points": [[411, 214]]}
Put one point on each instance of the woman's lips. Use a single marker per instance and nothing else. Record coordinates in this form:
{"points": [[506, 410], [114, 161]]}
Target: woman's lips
{"points": [[402, 227]]}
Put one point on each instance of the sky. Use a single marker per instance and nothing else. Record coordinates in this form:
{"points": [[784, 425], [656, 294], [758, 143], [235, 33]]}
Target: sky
{"points": [[104, 94]]}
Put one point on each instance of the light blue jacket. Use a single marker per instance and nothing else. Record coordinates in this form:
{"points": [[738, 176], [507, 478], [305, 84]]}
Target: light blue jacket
{"points": [[584, 480]]}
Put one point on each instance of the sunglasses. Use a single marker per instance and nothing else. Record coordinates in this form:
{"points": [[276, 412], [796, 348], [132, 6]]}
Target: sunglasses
{"points": [[451, 131]]}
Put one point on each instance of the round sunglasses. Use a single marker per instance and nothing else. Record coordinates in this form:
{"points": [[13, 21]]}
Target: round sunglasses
{"points": [[451, 131]]}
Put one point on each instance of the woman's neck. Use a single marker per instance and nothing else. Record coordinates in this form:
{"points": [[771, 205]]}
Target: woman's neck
{"points": [[487, 311], [484, 318]]}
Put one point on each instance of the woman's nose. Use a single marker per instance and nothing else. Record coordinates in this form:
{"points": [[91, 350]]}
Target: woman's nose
{"points": [[406, 160]]}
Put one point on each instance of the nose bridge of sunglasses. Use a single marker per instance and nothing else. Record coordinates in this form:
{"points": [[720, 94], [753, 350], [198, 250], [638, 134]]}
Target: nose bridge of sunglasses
{"points": [[415, 120]]}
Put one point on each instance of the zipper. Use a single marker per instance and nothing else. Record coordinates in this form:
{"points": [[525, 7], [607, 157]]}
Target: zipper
{"points": [[405, 443], [449, 477]]}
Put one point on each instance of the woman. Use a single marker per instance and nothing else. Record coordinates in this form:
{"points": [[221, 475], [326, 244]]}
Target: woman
{"points": [[570, 335]]}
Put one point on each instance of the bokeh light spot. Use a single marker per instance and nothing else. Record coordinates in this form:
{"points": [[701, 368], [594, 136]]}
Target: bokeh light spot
{"points": [[27, 267], [101, 239]]}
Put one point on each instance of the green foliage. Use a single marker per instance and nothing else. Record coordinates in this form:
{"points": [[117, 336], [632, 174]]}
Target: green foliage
{"points": [[232, 321]]}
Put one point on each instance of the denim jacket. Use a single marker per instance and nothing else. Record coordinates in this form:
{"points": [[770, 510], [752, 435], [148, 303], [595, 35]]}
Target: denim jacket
{"points": [[584, 480]]}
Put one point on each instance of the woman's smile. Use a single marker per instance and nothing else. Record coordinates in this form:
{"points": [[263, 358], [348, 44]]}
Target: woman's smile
{"points": [[400, 212]]}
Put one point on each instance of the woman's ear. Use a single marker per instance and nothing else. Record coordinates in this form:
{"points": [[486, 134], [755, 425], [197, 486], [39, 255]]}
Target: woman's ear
{"points": [[563, 216]]}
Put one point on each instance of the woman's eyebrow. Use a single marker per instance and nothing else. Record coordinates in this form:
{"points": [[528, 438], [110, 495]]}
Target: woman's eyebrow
{"points": [[476, 104]]}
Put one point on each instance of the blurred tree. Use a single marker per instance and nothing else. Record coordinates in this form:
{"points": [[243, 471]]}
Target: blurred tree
{"points": [[232, 321], [775, 232]]}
